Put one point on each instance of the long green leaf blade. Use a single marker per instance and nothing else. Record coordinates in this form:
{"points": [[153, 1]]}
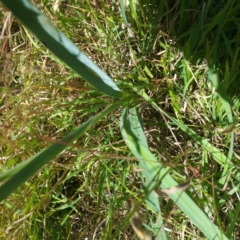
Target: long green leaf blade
{"points": [[129, 125], [23, 173], [61, 46], [132, 132]]}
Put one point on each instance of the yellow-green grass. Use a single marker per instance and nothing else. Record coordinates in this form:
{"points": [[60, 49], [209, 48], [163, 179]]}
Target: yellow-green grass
{"points": [[178, 63]]}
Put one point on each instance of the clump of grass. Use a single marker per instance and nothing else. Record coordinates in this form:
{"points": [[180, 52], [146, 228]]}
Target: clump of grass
{"points": [[167, 50]]}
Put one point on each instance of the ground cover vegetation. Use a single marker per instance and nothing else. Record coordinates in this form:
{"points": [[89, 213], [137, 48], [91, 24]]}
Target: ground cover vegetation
{"points": [[110, 153]]}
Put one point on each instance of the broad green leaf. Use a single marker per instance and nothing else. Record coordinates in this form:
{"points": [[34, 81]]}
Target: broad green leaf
{"points": [[130, 128], [24, 171], [61, 46]]}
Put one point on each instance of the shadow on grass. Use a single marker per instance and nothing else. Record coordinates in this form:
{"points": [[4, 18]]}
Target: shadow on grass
{"points": [[209, 30], [202, 30]]}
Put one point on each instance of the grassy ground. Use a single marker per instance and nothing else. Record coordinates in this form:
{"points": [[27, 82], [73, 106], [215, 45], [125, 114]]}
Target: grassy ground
{"points": [[167, 49]]}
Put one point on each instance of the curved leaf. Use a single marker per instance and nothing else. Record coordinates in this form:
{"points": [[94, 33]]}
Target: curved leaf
{"points": [[130, 128], [133, 135], [61, 46]]}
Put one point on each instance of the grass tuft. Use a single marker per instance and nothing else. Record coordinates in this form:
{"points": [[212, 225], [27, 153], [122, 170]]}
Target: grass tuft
{"points": [[178, 63]]}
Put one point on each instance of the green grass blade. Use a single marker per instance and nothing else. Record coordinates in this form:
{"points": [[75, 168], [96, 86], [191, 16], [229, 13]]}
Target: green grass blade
{"points": [[61, 46], [218, 156], [226, 105], [132, 132], [130, 128], [221, 94], [174, 100], [217, 18], [14, 170], [123, 12], [23, 173], [234, 221]]}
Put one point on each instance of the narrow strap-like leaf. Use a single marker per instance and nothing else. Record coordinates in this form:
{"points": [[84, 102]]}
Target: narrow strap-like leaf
{"points": [[61, 46], [23, 172], [135, 139]]}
